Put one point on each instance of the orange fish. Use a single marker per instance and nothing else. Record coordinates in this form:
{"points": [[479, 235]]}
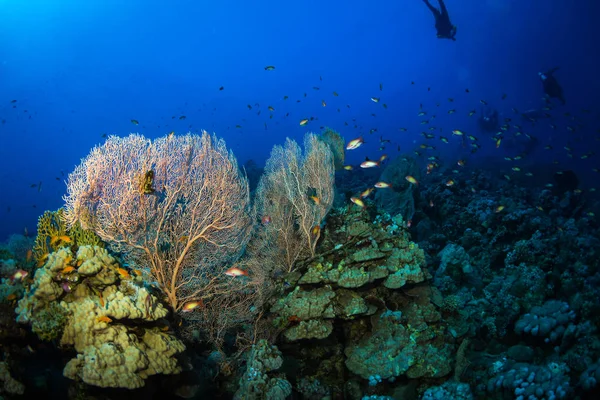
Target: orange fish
{"points": [[101, 300], [266, 220], [183, 238], [104, 318], [450, 182], [123, 272], [11, 297], [56, 239], [315, 199], [315, 230], [191, 306], [28, 255], [68, 269], [137, 272], [235, 271], [354, 144], [412, 180]]}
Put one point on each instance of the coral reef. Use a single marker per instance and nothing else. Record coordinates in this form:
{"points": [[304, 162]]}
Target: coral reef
{"points": [[114, 323], [7, 383], [336, 144], [400, 197], [260, 381]]}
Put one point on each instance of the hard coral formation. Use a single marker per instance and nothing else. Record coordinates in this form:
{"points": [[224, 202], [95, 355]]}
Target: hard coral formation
{"points": [[385, 256], [8, 384], [370, 289], [109, 319], [259, 382]]}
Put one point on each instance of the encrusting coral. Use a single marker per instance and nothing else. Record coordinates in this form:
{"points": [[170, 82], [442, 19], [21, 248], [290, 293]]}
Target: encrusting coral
{"points": [[110, 319]]}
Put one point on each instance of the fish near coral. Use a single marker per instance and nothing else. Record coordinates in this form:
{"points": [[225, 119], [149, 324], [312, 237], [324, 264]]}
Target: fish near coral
{"points": [[20, 274], [123, 272], [191, 306], [104, 318], [234, 271], [67, 270]]}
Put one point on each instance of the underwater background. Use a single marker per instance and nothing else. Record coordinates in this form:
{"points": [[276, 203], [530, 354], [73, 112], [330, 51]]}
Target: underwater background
{"points": [[429, 230]]}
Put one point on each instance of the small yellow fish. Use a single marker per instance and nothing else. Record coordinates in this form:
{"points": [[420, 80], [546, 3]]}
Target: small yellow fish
{"points": [[348, 167], [411, 179], [68, 269], [303, 122], [316, 230], [357, 201], [367, 192], [498, 209]]}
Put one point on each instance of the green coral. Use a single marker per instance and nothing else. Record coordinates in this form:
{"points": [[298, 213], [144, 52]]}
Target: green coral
{"points": [[50, 224], [50, 322], [84, 237], [51, 227], [335, 142]]}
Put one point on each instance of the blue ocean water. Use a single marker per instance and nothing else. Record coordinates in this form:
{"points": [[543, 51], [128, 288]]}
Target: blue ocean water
{"points": [[78, 70], [73, 73]]}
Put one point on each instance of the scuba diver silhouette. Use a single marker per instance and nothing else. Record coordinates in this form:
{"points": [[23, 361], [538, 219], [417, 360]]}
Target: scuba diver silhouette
{"points": [[445, 29], [551, 86]]}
